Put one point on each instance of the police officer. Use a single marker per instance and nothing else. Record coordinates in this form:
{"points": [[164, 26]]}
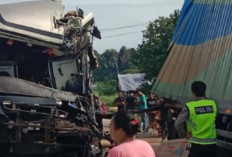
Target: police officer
{"points": [[199, 117]]}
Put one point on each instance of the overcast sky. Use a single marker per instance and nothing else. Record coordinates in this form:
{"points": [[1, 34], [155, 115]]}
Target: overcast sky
{"points": [[120, 13]]}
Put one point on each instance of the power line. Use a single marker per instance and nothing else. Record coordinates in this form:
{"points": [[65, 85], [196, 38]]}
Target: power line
{"points": [[122, 34], [123, 27]]}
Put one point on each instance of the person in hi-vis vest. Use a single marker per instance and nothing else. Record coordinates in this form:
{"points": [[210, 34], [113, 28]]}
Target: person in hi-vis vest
{"points": [[198, 118]]}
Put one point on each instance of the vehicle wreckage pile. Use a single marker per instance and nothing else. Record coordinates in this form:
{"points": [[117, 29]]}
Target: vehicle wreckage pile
{"points": [[46, 63]]}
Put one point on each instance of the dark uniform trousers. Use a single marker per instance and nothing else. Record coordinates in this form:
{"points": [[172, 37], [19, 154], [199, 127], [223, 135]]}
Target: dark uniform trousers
{"points": [[198, 150]]}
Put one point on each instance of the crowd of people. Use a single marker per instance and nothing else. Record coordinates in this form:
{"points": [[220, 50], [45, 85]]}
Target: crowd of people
{"points": [[195, 122], [161, 118]]}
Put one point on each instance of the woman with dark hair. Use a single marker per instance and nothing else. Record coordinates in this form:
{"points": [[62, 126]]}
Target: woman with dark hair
{"points": [[123, 129]]}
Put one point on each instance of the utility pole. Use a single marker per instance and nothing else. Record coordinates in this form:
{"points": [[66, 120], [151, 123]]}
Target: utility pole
{"points": [[116, 64]]}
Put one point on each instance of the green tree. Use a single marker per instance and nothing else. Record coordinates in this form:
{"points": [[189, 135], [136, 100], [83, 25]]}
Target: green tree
{"points": [[124, 61], [152, 53], [106, 88], [107, 69], [132, 70]]}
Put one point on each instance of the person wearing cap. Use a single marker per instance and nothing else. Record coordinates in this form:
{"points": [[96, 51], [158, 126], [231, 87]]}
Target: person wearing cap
{"points": [[199, 117]]}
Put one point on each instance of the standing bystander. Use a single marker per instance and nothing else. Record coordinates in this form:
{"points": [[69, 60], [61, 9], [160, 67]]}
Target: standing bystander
{"points": [[199, 115], [131, 101], [171, 118], [123, 129], [98, 111], [142, 105], [154, 116], [151, 101], [120, 101]]}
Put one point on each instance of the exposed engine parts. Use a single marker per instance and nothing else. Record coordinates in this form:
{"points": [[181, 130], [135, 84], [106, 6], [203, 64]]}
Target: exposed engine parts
{"points": [[46, 101]]}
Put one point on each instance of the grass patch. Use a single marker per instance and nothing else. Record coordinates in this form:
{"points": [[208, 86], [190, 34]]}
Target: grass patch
{"points": [[106, 88], [108, 99]]}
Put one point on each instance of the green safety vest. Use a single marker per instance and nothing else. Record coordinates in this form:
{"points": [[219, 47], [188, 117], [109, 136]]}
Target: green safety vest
{"points": [[201, 123]]}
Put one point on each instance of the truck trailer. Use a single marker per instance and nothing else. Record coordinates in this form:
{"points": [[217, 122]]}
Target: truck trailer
{"points": [[201, 50]]}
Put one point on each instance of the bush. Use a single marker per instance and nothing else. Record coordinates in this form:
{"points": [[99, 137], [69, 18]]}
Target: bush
{"points": [[108, 100], [106, 88]]}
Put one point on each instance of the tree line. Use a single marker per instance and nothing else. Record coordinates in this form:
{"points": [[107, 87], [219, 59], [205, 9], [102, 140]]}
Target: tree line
{"points": [[147, 58]]}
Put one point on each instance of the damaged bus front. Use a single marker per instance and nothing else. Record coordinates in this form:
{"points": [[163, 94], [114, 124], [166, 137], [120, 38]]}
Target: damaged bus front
{"points": [[46, 63]]}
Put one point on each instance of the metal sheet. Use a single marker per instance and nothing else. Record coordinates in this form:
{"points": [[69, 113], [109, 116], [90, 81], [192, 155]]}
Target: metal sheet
{"points": [[14, 86], [201, 50], [34, 19]]}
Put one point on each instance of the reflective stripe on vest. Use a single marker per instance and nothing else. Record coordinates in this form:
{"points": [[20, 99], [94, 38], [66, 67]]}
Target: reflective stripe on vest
{"points": [[201, 123], [214, 140]]}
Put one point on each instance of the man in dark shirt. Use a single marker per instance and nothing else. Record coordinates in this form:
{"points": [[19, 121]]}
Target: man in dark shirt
{"points": [[171, 118], [131, 101], [151, 101], [154, 116], [120, 101]]}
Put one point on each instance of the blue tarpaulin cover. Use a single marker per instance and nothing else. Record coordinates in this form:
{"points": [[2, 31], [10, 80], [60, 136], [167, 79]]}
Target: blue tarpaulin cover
{"points": [[129, 82], [201, 50]]}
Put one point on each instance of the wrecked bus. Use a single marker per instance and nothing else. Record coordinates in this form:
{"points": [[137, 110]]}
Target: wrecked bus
{"points": [[46, 64]]}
